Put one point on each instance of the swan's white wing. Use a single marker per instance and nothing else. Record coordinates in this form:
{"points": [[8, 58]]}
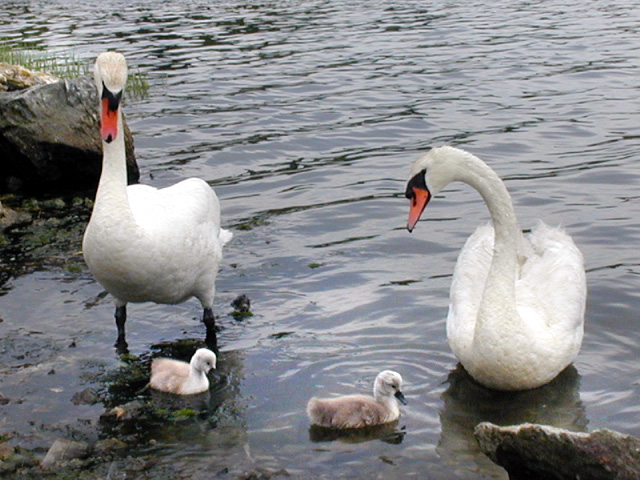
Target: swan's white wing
{"points": [[553, 278], [184, 206], [180, 245], [467, 286]]}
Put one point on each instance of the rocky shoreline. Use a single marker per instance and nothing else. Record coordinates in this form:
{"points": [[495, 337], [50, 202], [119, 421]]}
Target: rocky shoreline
{"points": [[36, 234]]}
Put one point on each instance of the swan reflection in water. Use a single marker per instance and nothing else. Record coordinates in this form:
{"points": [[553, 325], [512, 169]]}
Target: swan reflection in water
{"points": [[387, 432], [466, 403]]}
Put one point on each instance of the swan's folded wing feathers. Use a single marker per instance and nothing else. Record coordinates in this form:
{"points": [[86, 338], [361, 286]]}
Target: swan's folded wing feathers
{"points": [[191, 202], [225, 236], [468, 281], [557, 277]]}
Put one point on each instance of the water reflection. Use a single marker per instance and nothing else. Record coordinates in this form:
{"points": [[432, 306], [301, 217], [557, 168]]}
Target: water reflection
{"points": [[388, 432], [467, 403]]}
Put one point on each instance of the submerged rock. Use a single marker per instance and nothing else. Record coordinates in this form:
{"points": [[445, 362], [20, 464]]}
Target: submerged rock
{"points": [[88, 396], [6, 451], [129, 411], [50, 141], [41, 234], [531, 451], [10, 218], [241, 303], [12, 459], [64, 450], [242, 307]]}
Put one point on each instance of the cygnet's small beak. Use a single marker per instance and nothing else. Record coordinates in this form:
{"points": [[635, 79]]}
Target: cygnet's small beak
{"points": [[400, 397]]}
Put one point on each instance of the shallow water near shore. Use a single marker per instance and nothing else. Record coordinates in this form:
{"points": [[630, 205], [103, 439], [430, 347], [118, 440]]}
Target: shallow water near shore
{"points": [[305, 117]]}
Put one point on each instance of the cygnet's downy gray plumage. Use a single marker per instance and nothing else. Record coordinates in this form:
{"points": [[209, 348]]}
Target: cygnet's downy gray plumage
{"points": [[357, 411], [176, 376]]}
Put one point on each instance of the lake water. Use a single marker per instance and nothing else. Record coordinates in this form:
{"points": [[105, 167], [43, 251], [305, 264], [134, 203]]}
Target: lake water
{"points": [[305, 117]]}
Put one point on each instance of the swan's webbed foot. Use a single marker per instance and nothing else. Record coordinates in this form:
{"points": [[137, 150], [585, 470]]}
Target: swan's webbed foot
{"points": [[209, 321], [121, 317]]}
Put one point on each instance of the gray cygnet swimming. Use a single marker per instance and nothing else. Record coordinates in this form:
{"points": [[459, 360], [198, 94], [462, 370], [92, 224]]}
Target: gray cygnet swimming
{"points": [[357, 411]]}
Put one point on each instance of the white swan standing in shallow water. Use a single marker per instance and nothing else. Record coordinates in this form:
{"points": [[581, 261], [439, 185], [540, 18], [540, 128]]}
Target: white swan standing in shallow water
{"points": [[175, 376], [142, 243], [357, 411], [516, 316]]}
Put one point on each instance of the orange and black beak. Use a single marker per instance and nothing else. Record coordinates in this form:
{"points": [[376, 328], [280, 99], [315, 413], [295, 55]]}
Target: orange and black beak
{"points": [[419, 195], [109, 117]]}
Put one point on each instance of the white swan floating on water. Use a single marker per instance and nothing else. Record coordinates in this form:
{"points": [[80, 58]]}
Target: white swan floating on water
{"points": [[146, 244], [357, 411], [516, 317], [175, 376]]}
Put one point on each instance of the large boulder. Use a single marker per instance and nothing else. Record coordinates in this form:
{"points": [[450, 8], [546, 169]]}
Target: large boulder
{"points": [[531, 452], [50, 141]]}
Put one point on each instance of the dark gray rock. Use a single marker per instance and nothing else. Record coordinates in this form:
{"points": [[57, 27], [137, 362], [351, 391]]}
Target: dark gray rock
{"points": [[9, 219], [242, 307], [50, 141], [88, 396], [64, 450], [126, 412], [531, 452]]}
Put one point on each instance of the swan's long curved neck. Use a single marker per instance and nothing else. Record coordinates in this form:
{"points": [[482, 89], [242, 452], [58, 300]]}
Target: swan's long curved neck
{"points": [[112, 188], [498, 303], [480, 176]]}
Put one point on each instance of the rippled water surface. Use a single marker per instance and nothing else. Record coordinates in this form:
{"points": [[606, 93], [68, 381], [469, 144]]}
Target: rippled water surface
{"points": [[305, 117]]}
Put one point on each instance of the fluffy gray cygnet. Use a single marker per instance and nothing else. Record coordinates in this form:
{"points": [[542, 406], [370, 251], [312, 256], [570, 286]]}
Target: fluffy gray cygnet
{"points": [[357, 411]]}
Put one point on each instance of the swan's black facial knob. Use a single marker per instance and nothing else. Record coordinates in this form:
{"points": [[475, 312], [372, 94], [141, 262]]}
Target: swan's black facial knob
{"points": [[417, 181]]}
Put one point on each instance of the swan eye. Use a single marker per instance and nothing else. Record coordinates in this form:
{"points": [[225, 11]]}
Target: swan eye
{"points": [[409, 193], [417, 182]]}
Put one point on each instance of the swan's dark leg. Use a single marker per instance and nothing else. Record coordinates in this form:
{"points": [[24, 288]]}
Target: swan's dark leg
{"points": [[210, 323], [209, 320], [121, 318]]}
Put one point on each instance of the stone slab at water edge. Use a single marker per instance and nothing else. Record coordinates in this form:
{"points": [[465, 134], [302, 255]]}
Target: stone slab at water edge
{"points": [[531, 451], [49, 139]]}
